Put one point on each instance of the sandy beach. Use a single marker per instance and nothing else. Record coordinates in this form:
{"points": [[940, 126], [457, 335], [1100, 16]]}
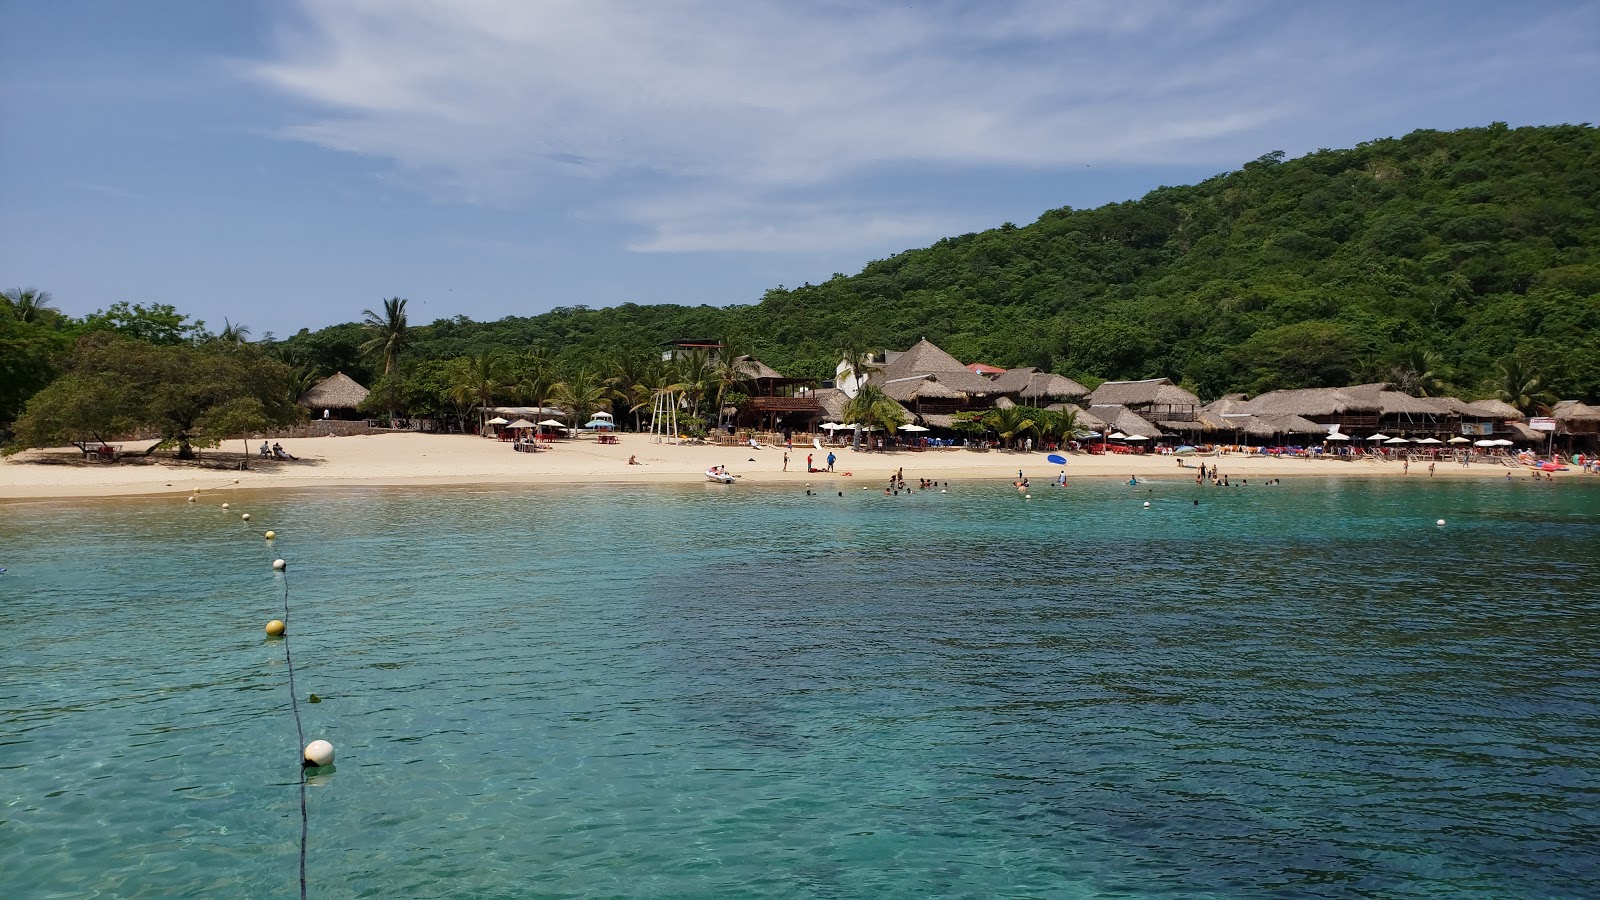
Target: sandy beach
{"points": [[427, 459]]}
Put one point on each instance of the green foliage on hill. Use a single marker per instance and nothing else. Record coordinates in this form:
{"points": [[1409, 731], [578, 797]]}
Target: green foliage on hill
{"points": [[1476, 246]]}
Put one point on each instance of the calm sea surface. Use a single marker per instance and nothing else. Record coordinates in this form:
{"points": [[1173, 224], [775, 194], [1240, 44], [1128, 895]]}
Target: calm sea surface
{"points": [[1296, 690]]}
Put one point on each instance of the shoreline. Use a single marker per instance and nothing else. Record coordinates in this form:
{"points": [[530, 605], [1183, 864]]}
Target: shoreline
{"points": [[427, 460]]}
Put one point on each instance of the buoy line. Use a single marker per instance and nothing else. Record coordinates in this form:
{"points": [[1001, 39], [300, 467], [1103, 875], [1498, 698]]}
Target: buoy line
{"points": [[300, 734]]}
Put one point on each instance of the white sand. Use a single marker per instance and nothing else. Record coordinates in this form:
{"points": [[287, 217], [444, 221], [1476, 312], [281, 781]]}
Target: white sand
{"points": [[425, 459]]}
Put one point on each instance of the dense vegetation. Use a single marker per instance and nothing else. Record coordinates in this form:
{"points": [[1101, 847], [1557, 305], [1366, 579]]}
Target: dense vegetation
{"points": [[1444, 261]]}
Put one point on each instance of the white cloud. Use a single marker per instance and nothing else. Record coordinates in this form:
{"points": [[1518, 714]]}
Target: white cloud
{"points": [[755, 101]]}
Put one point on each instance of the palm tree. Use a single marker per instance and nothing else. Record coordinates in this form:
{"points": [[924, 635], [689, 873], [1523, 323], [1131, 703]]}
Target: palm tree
{"points": [[1010, 422], [477, 378], [583, 393], [233, 334], [1416, 373], [30, 305], [389, 332], [872, 407], [696, 375], [1519, 386], [534, 377], [732, 367], [630, 372], [857, 362]]}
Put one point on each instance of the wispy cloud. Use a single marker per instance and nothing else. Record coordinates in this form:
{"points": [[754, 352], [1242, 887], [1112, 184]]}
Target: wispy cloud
{"points": [[749, 103]]}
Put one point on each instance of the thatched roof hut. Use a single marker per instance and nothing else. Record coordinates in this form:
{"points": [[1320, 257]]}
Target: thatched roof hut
{"points": [[1318, 402], [830, 403], [1145, 393], [1120, 418], [337, 391], [1574, 411], [1029, 385], [926, 359]]}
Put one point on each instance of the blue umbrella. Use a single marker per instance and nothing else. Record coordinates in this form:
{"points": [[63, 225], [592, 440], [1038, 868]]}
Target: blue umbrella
{"points": [[1057, 458]]}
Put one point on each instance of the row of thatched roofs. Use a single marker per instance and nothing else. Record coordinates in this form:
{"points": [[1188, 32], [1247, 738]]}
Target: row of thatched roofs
{"points": [[1152, 407]]}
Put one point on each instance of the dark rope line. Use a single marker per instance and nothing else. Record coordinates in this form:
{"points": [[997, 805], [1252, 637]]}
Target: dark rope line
{"points": [[300, 733]]}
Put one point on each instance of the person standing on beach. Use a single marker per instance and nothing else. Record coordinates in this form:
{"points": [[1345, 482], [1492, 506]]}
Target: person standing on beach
{"points": [[1430, 470], [831, 459], [808, 463], [786, 462]]}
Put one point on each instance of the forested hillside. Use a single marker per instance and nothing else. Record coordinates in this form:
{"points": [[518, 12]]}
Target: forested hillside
{"points": [[1438, 254], [1441, 260]]}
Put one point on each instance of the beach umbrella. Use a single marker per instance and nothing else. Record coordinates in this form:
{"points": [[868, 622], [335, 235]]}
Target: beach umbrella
{"points": [[1117, 436], [549, 423], [834, 426], [1430, 441], [497, 420], [912, 428], [1336, 436], [1460, 440], [520, 423], [1379, 437], [1485, 443], [1397, 440], [598, 423], [1500, 442], [1134, 437], [1186, 448]]}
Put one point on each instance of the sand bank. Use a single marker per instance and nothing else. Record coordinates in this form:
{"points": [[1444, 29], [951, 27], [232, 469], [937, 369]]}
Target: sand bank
{"points": [[427, 459]]}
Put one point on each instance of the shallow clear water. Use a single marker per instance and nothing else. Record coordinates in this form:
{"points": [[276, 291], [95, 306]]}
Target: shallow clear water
{"points": [[1296, 690]]}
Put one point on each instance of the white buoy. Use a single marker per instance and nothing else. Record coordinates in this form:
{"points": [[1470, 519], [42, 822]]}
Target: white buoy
{"points": [[245, 517], [191, 499], [271, 534], [279, 564], [1027, 496], [1147, 504], [1440, 523], [224, 506], [319, 754], [943, 491]]}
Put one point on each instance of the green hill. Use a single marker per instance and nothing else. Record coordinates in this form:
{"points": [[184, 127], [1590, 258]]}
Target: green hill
{"points": [[1441, 253]]}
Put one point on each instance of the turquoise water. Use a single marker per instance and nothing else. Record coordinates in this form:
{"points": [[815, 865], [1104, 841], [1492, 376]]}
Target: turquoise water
{"points": [[1296, 690]]}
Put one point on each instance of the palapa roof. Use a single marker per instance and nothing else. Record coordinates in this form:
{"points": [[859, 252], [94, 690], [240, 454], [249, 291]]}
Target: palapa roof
{"points": [[1120, 418], [1522, 432], [1395, 402], [1148, 392], [1003, 403], [1317, 401], [755, 370], [1492, 409], [940, 420], [830, 402], [338, 391], [1230, 403], [926, 359], [1575, 410], [1030, 383], [1205, 420]]}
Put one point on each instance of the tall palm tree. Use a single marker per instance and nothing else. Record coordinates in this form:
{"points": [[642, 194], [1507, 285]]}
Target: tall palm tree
{"points": [[1520, 386], [534, 376], [696, 375], [871, 407], [732, 367], [30, 305], [478, 378], [663, 380], [629, 372], [857, 361], [583, 392], [389, 333]]}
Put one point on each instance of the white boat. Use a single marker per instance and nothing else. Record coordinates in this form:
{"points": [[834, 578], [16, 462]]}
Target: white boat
{"points": [[720, 476]]}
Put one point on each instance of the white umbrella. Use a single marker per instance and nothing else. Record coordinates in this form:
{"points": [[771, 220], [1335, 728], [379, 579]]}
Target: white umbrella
{"points": [[552, 423], [520, 423], [834, 426], [912, 428], [1486, 443], [497, 420], [1430, 441], [1379, 437], [1501, 442], [1117, 436], [1336, 436], [1460, 440], [1136, 437], [1397, 440]]}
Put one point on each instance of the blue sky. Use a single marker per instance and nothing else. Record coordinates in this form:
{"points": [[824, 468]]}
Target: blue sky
{"points": [[287, 164]]}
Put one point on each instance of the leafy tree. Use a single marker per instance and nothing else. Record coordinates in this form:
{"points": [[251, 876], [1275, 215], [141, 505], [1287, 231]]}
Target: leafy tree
{"points": [[189, 395], [29, 354], [158, 323]]}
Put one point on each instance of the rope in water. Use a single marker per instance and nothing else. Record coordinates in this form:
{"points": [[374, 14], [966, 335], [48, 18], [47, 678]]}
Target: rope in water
{"points": [[300, 734]]}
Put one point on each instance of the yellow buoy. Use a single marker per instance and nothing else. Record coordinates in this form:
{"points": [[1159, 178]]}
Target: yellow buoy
{"points": [[275, 628], [271, 535]]}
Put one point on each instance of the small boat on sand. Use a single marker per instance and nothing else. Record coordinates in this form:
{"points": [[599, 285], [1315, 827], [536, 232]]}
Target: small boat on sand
{"points": [[720, 475]]}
